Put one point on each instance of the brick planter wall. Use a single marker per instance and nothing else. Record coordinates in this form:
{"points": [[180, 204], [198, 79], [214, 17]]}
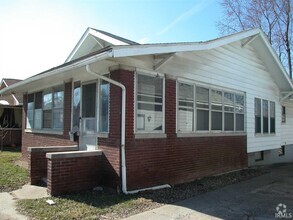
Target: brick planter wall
{"points": [[37, 162], [71, 172]]}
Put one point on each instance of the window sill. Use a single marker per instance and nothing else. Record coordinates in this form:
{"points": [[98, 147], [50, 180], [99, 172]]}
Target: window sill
{"points": [[265, 135], [58, 132], [150, 135], [103, 135], [210, 134]]}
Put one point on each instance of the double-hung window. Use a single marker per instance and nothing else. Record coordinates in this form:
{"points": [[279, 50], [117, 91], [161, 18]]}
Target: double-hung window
{"points": [[149, 103], [216, 110], [185, 107], [264, 112], [203, 109]]}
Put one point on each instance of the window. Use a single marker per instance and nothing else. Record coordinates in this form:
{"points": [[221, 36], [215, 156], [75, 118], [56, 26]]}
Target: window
{"points": [[281, 151], [104, 106], [149, 103], [283, 114], [239, 110], [216, 109], [259, 156], [202, 106], [211, 109], [257, 113], [45, 109], [272, 118], [264, 116], [229, 111], [186, 108]]}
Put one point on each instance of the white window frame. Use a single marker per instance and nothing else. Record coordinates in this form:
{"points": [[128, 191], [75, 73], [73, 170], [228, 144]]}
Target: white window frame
{"points": [[42, 129], [98, 105], [210, 87], [152, 74], [269, 119]]}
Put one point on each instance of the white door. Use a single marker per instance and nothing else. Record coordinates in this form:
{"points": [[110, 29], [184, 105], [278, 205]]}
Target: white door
{"points": [[88, 119]]}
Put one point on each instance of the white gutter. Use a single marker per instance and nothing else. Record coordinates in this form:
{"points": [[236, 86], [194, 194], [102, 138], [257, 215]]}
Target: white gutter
{"points": [[123, 116], [81, 63]]}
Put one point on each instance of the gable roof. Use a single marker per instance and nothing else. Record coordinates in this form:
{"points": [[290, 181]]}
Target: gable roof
{"points": [[94, 40], [12, 99], [255, 37]]}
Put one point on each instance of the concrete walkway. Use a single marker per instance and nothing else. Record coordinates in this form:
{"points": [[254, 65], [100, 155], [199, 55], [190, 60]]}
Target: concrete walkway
{"points": [[257, 198], [8, 201]]}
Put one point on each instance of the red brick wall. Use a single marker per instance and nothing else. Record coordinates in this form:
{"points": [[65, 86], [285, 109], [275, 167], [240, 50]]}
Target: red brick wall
{"points": [[38, 140], [171, 160], [111, 145], [66, 175]]}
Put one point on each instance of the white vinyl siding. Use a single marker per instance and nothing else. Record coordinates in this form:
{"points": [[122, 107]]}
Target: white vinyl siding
{"points": [[237, 68], [287, 127]]}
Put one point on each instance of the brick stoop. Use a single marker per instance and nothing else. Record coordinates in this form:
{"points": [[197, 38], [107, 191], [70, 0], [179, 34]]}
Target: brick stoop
{"points": [[73, 171], [37, 162]]}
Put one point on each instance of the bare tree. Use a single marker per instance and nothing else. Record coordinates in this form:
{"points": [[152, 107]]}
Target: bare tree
{"points": [[274, 17]]}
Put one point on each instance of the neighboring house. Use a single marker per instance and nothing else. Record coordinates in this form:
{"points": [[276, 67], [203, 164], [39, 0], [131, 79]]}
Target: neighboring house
{"points": [[10, 115], [146, 116]]}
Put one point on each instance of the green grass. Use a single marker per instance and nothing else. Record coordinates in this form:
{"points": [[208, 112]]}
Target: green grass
{"points": [[85, 205], [12, 176]]}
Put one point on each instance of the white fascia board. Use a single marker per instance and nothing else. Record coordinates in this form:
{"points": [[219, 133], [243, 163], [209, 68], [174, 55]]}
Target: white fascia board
{"points": [[80, 63], [276, 58], [104, 37], [77, 46], [151, 49]]}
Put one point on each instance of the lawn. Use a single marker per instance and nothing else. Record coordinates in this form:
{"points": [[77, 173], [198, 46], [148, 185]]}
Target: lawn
{"points": [[12, 176], [102, 205]]}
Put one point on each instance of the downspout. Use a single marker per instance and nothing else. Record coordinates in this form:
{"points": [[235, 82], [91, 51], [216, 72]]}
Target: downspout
{"points": [[123, 116]]}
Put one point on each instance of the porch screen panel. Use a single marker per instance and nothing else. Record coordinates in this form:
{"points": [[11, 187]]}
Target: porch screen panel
{"points": [[104, 106], [38, 114], [202, 109], [47, 109], [76, 106], [185, 107], [58, 106], [149, 103], [30, 111], [89, 100]]}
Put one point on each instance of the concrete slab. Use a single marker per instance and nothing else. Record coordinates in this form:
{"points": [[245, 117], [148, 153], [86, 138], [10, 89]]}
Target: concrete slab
{"points": [[7, 208], [8, 201], [256, 198], [30, 192]]}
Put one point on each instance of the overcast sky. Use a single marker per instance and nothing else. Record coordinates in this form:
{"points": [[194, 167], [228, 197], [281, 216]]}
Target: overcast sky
{"points": [[36, 35]]}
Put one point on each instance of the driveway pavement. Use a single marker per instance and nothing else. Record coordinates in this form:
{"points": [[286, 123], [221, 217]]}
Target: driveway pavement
{"points": [[257, 198]]}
